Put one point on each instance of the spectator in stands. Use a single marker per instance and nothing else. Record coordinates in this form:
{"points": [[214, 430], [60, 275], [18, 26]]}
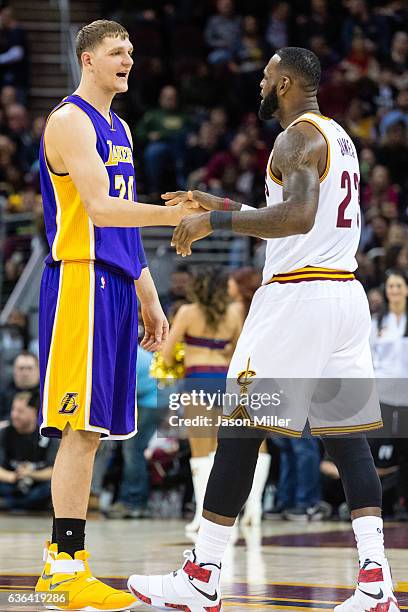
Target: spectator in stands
{"points": [[320, 19], [384, 97], [393, 152], [367, 161], [402, 260], [165, 130], [26, 377], [277, 30], [372, 26], [399, 58], [13, 53], [360, 61], [7, 161], [359, 123], [200, 88], [377, 231], [400, 113], [218, 118], [298, 493], [248, 62], [19, 131], [135, 486], [375, 301], [201, 147], [180, 281], [26, 458], [335, 94], [379, 190], [327, 56], [220, 161], [222, 33], [397, 235], [8, 96], [389, 344], [15, 337]]}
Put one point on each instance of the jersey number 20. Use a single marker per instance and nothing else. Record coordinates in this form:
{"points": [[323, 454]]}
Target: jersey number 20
{"points": [[346, 183], [125, 192]]}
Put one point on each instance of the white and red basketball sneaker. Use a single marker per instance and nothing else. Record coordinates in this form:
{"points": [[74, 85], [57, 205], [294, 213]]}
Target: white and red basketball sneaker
{"points": [[193, 588], [374, 592]]}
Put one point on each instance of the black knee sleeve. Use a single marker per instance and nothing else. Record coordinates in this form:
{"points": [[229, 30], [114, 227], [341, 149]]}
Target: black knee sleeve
{"points": [[232, 474], [355, 463]]}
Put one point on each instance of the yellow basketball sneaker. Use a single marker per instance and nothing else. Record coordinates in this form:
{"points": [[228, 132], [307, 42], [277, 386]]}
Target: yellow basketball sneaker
{"points": [[83, 591], [49, 555]]}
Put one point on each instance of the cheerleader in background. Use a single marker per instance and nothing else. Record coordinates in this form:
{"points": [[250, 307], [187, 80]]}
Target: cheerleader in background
{"points": [[209, 327]]}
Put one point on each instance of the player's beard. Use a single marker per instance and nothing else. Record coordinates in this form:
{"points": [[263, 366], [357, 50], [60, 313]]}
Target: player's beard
{"points": [[269, 105]]}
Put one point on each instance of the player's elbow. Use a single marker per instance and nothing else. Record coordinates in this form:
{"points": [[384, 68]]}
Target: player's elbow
{"points": [[95, 213], [305, 225]]}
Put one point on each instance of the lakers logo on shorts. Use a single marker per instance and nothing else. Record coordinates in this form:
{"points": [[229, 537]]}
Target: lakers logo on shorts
{"points": [[243, 378], [68, 404]]}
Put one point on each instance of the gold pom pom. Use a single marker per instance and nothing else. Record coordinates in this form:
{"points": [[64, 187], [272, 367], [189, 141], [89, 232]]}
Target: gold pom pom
{"points": [[168, 374]]}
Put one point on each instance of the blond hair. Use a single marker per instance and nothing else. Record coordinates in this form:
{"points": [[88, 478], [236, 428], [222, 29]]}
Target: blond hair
{"points": [[91, 35]]}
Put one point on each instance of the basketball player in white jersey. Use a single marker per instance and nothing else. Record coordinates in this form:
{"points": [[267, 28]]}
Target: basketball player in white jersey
{"points": [[309, 320]]}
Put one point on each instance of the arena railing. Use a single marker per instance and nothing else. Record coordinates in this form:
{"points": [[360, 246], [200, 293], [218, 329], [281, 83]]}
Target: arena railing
{"points": [[222, 248], [2, 241], [67, 39], [25, 294]]}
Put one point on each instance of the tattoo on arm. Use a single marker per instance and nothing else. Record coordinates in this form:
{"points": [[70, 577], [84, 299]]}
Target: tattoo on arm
{"points": [[296, 156], [234, 205]]}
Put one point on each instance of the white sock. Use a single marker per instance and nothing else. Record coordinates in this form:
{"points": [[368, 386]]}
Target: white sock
{"points": [[212, 541], [369, 534]]}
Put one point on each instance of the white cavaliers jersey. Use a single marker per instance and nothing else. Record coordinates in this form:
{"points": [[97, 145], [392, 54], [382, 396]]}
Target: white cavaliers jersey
{"points": [[333, 240]]}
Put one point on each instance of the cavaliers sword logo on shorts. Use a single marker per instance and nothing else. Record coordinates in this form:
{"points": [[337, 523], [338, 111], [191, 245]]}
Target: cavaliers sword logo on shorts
{"points": [[243, 378], [68, 404]]}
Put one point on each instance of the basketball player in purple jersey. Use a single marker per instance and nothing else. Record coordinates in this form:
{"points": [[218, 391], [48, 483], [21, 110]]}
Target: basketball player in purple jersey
{"points": [[88, 305]]}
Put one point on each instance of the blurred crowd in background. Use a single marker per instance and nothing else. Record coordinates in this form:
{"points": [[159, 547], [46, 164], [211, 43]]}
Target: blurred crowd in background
{"points": [[192, 107]]}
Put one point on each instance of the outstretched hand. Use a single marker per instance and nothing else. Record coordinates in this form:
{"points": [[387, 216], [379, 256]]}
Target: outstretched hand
{"points": [[189, 230], [202, 199]]}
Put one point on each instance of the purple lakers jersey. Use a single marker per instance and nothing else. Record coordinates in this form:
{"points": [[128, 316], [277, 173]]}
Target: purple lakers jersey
{"points": [[70, 232]]}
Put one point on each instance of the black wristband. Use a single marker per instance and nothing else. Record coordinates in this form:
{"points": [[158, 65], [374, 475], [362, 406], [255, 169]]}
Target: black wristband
{"points": [[220, 220]]}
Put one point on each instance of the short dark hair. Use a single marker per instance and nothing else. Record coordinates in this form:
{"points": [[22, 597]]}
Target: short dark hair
{"points": [[182, 268], [25, 353], [302, 63], [91, 35], [30, 398]]}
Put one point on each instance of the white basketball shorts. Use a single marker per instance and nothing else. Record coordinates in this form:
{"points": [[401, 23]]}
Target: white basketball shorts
{"points": [[306, 346]]}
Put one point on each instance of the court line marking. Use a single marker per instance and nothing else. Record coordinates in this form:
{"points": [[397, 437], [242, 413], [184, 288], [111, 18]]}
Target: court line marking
{"points": [[276, 607], [264, 597]]}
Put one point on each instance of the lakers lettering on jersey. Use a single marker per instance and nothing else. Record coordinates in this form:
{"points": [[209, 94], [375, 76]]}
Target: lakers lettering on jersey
{"points": [[333, 241], [70, 232], [119, 154]]}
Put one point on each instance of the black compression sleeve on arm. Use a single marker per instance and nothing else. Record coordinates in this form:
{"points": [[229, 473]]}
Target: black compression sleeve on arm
{"points": [[221, 220]]}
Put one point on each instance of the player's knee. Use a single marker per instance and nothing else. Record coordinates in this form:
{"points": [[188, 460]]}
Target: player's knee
{"points": [[348, 450], [85, 441]]}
